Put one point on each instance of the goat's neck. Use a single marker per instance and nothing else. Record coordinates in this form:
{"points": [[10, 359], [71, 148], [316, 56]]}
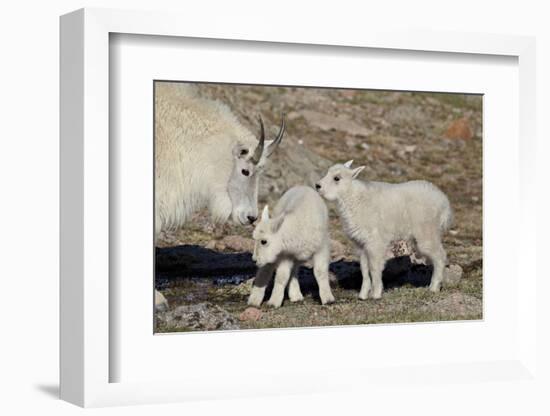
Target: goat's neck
{"points": [[349, 206], [352, 199]]}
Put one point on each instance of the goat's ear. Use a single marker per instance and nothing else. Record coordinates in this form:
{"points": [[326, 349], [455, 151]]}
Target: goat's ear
{"points": [[348, 164], [240, 151], [265, 213], [357, 171], [276, 223], [265, 155], [266, 146]]}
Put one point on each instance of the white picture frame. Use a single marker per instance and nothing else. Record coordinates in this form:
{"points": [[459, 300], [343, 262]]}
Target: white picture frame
{"points": [[86, 356]]}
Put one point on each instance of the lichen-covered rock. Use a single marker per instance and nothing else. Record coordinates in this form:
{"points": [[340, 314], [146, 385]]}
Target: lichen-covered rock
{"points": [[202, 316], [241, 289], [400, 248]]}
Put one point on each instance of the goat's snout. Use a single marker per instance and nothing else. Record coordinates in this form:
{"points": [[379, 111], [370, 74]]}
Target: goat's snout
{"points": [[251, 219], [317, 186]]}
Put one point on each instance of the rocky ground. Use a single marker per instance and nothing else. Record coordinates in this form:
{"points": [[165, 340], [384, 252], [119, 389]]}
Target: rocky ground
{"points": [[399, 136]]}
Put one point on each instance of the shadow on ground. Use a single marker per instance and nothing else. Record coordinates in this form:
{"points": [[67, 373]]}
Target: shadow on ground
{"points": [[174, 264]]}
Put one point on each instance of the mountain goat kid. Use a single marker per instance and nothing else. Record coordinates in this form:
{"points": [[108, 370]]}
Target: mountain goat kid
{"points": [[204, 158], [374, 214], [297, 232]]}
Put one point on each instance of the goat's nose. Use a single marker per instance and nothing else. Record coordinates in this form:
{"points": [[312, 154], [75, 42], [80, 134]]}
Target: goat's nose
{"points": [[251, 219], [317, 186]]}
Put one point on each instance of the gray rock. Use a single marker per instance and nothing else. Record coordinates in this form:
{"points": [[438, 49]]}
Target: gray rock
{"points": [[452, 275], [327, 122], [232, 243], [406, 114], [202, 316], [161, 304]]}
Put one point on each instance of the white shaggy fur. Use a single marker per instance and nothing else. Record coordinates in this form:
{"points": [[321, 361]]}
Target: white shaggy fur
{"points": [[374, 214], [203, 159], [297, 233], [200, 151]]}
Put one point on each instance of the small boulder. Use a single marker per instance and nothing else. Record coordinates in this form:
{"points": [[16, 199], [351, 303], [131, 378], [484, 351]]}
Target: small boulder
{"points": [[161, 304], [251, 314], [234, 243], [238, 243], [452, 275], [460, 129], [202, 316], [399, 248], [326, 122], [242, 289], [212, 245]]}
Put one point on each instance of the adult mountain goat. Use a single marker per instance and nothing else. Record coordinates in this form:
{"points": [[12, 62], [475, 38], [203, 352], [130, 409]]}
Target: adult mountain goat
{"points": [[204, 158], [375, 213]]}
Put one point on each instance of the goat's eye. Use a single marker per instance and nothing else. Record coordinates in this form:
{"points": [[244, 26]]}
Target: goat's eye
{"points": [[245, 172], [336, 178], [263, 242], [244, 152]]}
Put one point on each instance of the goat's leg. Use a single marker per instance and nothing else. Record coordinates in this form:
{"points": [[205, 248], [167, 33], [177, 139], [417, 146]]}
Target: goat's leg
{"points": [[320, 270], [377, 260], [366, 286], [432, 248], [262, 279], [282, 276], [294, 292]]}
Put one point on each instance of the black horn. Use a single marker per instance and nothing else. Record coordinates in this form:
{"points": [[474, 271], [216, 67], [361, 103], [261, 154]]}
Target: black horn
{"points": [[260, 148], [271, 148]]}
